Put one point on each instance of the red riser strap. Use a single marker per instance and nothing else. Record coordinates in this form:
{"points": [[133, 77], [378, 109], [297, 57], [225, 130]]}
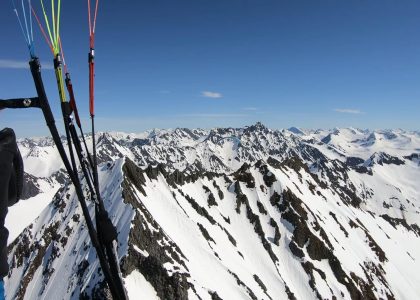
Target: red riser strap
{"points": [[73, 104], [91, 88]]}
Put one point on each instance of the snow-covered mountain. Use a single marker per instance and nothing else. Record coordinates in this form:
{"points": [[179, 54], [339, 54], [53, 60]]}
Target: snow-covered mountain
{"points": [[229, 213]]}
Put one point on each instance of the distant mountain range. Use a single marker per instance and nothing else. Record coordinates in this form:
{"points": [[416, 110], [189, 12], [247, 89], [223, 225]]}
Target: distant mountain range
{"points": [[228, 213]]}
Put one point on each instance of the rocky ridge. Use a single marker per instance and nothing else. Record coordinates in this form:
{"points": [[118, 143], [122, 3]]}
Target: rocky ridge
{"points": [[238, 213]]}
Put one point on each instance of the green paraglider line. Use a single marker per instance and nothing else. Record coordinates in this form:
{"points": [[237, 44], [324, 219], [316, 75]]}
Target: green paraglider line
{"points": [[48, 26]]}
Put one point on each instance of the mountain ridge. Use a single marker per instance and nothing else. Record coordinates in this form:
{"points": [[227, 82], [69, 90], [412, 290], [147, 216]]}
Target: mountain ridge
{"points": [[288, 216]]}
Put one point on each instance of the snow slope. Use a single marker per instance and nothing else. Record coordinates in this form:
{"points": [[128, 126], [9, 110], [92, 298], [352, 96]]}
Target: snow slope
{"points": [[236, 214]]}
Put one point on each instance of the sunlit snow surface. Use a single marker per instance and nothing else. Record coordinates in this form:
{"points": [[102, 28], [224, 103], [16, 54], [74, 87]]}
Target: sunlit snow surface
{"points": [[138, 287], [215, 265]]}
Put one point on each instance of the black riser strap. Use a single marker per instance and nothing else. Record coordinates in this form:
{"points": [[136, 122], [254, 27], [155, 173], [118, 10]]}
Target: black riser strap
{"points": [[49, 118], [19, 103], [82, 161]]}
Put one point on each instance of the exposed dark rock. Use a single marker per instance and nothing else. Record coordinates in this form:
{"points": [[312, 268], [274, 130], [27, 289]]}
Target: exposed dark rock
{"points": [[99, 292], [76, 218], [277, 234], [150, 249], [349, 196], [353, 224], [37, 251], [296, 250], [366, 289], [275, 200], [205, 233], [241, 283], [257, 127], [274, 163], [289, 293], [295, 130], [413, 157], [293, 211], [167, 286], [339, 224], [296, 164], [60, 176], [373, 272], [317, 249], [386, 205], [241, 199], [344, 279], [261, 208], [326, 139], [227, 219], [291, 200], [214, 296], [135, 175], [354, 161], [152, 172], [382, 158], [363, 170], [375, 248], [311, 187], [58, 201], [200, 210], [211, 201], [230, 237], [81, 269], [243, 174], [309, 269], [268, 177], [219, 191], [30, 186], [322, 232], [396, 221], [262, 285]]}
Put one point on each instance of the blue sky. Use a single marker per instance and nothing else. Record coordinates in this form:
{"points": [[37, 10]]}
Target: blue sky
{"points": [[207, 63]]}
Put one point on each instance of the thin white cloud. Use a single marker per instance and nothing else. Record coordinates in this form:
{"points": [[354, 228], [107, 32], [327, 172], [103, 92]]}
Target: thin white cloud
{"points": [[213, 95], [348, 111], [203, 115], [17, 64], [250, 108]]}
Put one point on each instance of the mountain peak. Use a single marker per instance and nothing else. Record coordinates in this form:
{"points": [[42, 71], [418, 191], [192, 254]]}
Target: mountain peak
{"points": [[193, 209], [256, 127], [295, 130]]}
